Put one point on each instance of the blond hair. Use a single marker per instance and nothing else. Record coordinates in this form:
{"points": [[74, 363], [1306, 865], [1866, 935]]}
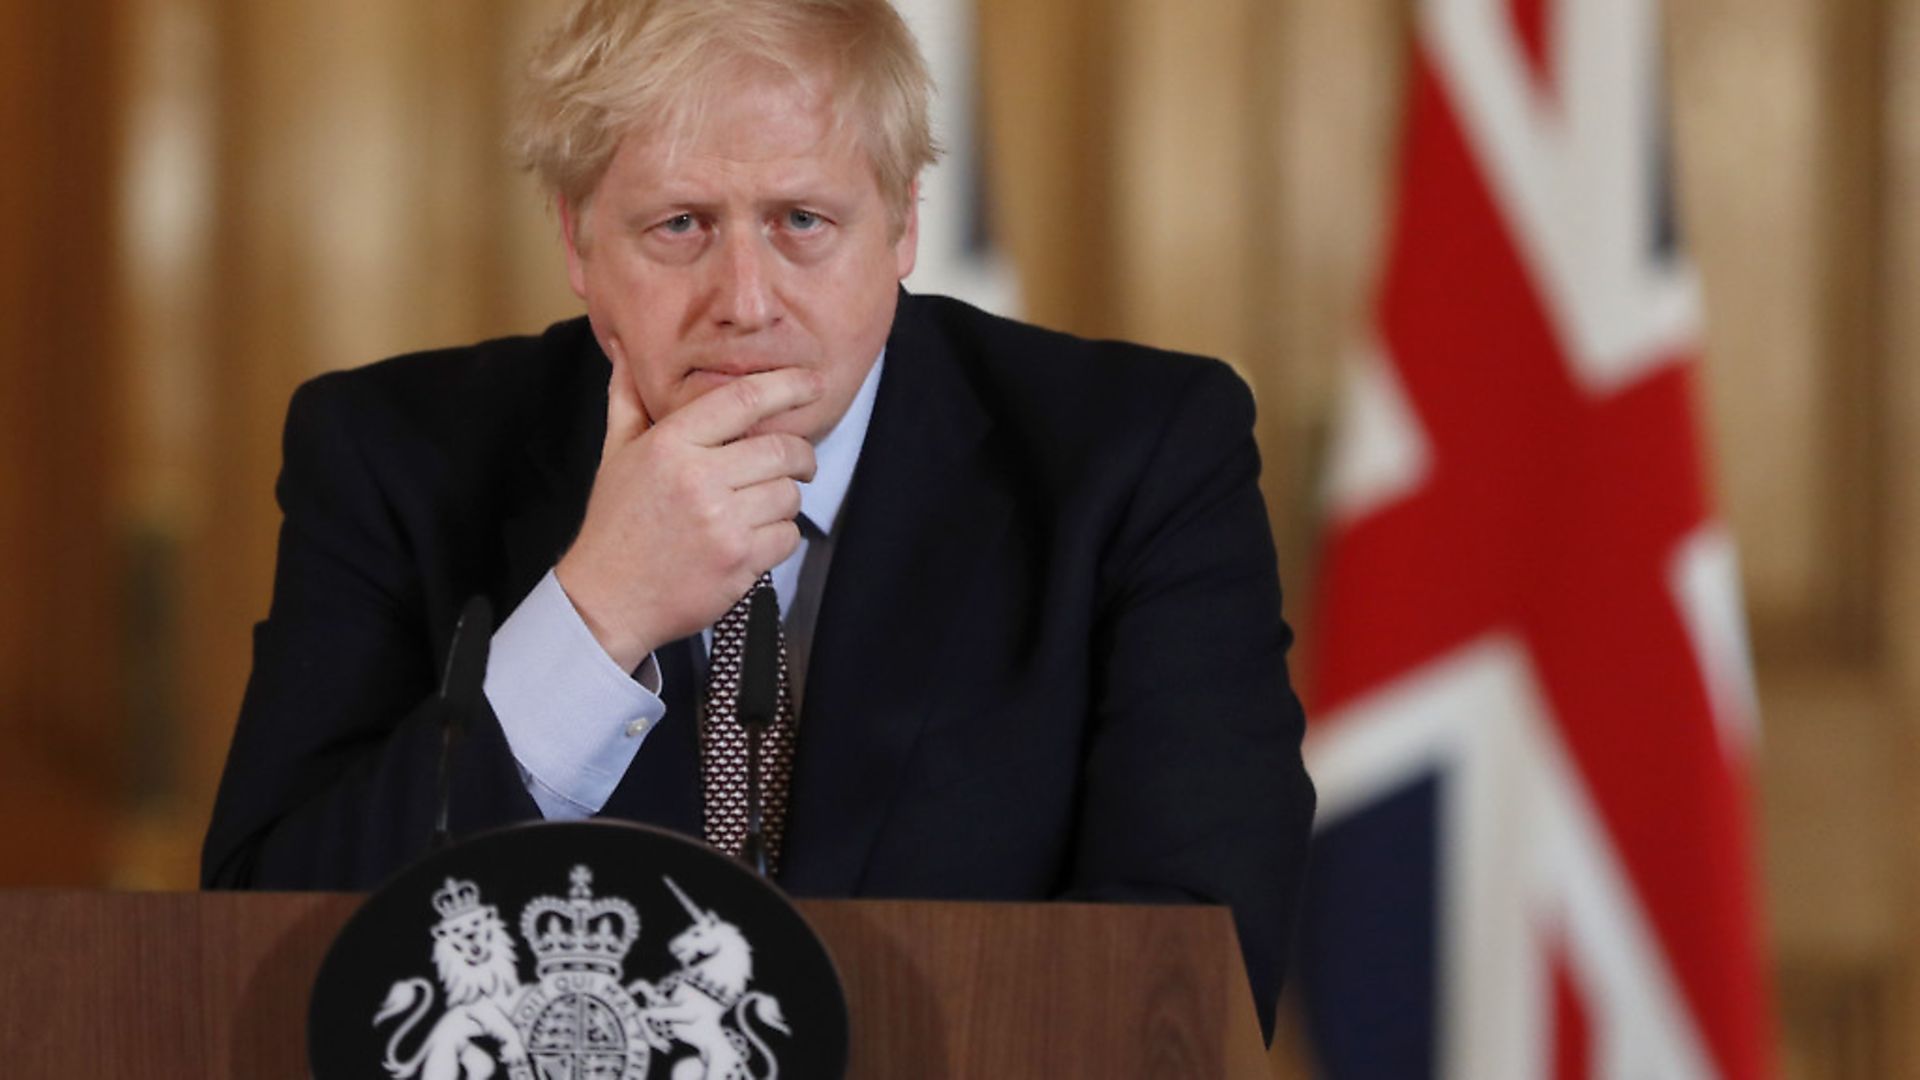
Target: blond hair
{"points": [[611, 67]]}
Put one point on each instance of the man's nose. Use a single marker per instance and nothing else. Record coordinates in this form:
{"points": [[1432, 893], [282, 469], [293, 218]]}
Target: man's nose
{"points": [[744, 299]]}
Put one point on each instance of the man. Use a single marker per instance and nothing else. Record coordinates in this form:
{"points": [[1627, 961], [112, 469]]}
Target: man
{"points": [[1032, 618]]}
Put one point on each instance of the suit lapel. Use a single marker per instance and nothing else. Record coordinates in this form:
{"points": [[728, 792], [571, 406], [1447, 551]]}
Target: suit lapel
{"points": [[555, 471], [920, 519]]}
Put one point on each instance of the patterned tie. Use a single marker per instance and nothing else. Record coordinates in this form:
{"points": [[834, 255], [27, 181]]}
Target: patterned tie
{"points": [[723, 742]]}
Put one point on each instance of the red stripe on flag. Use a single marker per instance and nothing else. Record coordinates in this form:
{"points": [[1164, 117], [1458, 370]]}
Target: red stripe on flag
{"points": [[1534, 23], [1572, 1042]]}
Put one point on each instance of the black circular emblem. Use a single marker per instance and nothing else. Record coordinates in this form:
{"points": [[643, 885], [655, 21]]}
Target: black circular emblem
{"points": [[584, 951]]}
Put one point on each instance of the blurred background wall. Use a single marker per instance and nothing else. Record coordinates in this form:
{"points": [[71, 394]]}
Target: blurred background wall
{"points": [[207, 201]]}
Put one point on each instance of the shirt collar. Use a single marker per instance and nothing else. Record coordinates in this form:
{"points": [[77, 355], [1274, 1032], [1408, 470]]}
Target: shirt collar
{"points": [[837, 452]]}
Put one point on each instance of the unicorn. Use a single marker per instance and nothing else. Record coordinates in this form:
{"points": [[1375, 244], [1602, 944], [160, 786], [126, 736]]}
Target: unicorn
{"points": [[706, 1004]]}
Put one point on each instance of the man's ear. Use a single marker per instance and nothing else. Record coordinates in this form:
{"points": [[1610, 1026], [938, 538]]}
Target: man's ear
{"points": [[571, 223], [907, 247]]}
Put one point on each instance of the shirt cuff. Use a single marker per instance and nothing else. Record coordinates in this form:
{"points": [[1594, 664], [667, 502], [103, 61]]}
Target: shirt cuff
{"points": [[572, 717]]}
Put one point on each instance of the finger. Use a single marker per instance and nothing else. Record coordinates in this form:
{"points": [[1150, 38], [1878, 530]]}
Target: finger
{"points": [[758, 458], [626, 416], [726, 412], [766, 503], [772, 543]]}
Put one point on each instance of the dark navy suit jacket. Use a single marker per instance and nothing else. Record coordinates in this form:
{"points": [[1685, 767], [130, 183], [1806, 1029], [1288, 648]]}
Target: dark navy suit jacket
{"points": [[1049, 660]]}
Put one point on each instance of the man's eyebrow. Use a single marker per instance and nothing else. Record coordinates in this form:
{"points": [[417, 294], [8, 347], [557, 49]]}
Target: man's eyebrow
{"points": [[823, 196], [642, 216]]}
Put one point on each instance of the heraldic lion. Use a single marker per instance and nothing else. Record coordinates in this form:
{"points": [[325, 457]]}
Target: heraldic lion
{"points": [[473, 954]]}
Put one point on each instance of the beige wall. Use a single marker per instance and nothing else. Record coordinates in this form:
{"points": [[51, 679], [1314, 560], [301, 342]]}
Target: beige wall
{"points": [[62, 753], [236, 195]]}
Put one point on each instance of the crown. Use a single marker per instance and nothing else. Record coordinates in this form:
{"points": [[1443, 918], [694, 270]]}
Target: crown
{"points": [[456, 898], [579, 933]]}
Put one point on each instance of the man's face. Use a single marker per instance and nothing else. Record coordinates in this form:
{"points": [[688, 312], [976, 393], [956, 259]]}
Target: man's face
{"points": [[760, 242]]}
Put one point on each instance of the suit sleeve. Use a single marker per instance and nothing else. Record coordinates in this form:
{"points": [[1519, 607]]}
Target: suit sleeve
{"points": [[330, 781], [1194, 784]]}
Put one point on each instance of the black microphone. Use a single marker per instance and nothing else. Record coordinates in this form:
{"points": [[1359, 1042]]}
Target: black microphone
{"points": [[759, 700], [460, 688]]}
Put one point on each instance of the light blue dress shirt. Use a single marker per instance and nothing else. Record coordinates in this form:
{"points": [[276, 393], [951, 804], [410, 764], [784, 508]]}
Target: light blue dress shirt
{"points": [[572, 717]]}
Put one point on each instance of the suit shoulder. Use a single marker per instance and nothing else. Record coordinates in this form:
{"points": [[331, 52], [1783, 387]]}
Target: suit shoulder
{"points": [[447, 421], [450, 427], [467, 385], [1066, 381]]}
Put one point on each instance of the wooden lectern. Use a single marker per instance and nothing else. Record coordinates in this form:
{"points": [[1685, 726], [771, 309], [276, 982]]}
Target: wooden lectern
{"points": [[215, 985]]}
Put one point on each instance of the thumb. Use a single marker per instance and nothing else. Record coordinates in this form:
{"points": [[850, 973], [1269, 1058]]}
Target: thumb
{"points": [[626, 417]]}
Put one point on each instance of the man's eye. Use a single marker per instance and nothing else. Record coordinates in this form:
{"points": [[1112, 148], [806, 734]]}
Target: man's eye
{"points": [[803, 220], [679, 224]]}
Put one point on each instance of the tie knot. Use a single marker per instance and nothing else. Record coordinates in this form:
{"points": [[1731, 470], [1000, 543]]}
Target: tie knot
{"points": [[734, 620]]}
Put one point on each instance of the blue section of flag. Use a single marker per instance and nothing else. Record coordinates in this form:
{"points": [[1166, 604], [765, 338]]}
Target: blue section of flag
{"points": [[1368, 961]]}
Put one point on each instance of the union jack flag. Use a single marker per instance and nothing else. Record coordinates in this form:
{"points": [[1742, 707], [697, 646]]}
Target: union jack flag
{"points": [[1533, 706]]}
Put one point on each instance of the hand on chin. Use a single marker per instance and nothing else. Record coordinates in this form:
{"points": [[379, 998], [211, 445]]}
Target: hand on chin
{"points": [[685, 513]]}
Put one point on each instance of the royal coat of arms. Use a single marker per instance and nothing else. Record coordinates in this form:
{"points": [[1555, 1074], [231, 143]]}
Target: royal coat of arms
{"points": [[582, 1018]]}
